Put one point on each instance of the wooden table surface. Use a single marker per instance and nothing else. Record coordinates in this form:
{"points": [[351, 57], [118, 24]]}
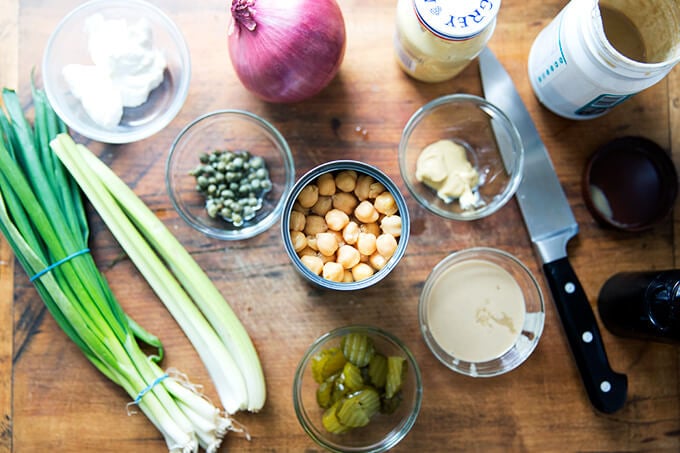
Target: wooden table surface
{"points": [[52, 399]]}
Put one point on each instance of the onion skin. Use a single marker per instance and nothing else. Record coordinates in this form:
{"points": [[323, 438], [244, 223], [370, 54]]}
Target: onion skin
{"points": [[286, 51]]}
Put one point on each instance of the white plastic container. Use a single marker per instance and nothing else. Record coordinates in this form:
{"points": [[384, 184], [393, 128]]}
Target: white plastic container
{"points": [[576, 72], [436, 40]]}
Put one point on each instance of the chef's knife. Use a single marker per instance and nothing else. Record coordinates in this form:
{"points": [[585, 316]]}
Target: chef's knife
{"points": [[551, 224]]}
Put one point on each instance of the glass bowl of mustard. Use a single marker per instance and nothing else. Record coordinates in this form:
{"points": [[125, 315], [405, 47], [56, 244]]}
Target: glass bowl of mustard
{"points": [[461, 157]]}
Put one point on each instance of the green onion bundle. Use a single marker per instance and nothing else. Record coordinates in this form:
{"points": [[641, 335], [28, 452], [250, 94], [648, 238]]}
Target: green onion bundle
{"points": [[43, 219]]}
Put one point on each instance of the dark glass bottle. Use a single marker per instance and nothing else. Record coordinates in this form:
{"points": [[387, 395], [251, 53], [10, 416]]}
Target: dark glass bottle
{"points": [[643, 305]]}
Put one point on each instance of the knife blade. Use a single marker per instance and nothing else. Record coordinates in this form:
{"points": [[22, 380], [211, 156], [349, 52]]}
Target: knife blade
{"points": [[551, 224]]}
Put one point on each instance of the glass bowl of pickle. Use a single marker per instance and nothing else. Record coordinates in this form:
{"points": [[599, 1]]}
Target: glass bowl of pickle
{"points": [[357, 388]]}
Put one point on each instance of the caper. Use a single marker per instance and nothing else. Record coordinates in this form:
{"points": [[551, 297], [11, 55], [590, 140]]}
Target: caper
{"points": [[233, 183], [202, 182]]}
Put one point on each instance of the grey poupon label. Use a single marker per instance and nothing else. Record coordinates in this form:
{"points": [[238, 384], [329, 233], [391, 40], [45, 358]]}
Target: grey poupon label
{"points": [[456, 19]]}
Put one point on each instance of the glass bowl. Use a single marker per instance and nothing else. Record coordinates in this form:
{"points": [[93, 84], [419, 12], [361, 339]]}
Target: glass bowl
{"points": [[228, 130], [384, 430], [68, 44], [481, 312], [487, 139], [292, 212]]}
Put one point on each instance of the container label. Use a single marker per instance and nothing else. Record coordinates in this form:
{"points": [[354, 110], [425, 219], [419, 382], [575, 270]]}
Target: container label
{"points": [[553, 61], [458, 19], [601, 104]]}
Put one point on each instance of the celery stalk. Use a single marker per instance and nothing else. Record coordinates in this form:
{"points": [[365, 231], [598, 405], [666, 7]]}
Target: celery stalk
{"points": [[194, 280]]}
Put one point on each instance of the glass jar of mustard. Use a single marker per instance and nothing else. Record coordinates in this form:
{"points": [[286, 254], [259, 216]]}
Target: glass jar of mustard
{"points": [[436, 39]]}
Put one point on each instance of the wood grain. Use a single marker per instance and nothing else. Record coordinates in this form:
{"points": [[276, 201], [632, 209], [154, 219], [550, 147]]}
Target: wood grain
{"points": [[61, 403]]}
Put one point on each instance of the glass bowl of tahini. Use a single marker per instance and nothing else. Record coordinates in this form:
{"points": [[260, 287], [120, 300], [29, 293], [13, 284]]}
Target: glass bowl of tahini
{"points": [[481, 312]]}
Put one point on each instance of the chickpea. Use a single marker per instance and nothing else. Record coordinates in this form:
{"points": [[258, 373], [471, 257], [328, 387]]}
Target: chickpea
{"points": [[346, 202], [348, 256], [315, 224], [298, 239], [300, 209], [327, 243], [363, 186], [375, 190], [347, 277], [323, 205], [307, 251], [311, 243], [351, 233], [338, 237], [366, 243], [385, 204], [362, 271], [391, 224], [313, 263], [365, 212], [326, 259], [333, 272], [308, 196], [386, 244], [326, 184], [346, 180], [377, 261], [297, 221], [372, 228], [336, 219]]}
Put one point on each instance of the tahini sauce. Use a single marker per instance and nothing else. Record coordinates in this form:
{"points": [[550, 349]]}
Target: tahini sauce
{"points": [[476, 311]]}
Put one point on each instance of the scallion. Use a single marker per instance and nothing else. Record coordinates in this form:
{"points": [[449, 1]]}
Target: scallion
{"points": [[43, 219]]}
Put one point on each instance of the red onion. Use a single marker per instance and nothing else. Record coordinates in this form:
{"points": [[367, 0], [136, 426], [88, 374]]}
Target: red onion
{"points": [[286, 50]]}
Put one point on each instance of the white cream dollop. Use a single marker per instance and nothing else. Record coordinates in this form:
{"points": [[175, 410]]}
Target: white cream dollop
{"points": [[126, 68]]}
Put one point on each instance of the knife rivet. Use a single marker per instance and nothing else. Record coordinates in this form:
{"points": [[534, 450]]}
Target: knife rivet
{"points": [[569, 288], [605, 386], [587, 336]]}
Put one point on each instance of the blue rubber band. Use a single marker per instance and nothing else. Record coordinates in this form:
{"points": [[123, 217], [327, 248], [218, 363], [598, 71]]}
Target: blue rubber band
{"points": [[59, 263], [148, 388]]}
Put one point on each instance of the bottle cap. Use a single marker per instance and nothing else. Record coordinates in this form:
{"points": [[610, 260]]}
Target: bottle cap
{"points": [[456, 19]]}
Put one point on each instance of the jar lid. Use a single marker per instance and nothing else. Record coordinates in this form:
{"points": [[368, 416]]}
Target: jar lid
{"points": [[456, 19]]}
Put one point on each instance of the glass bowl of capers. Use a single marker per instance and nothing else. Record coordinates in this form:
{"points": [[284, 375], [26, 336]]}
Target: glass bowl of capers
{"points": [[228, 173], [357, 388]]}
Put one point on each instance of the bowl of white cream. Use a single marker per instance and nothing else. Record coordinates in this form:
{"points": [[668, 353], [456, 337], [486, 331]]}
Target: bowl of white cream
{"points": [[116, 72], [461, 157], [481, 312]]}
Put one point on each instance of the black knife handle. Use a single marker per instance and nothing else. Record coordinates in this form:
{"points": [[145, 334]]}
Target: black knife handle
{"points": [[606, 388]]}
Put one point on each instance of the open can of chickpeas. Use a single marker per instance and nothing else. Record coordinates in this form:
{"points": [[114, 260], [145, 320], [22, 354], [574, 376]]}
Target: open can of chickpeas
{"points": [[345, 225]]}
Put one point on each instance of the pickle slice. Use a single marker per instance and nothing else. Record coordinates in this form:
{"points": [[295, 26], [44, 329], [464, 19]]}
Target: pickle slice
{"points": [[390, 405], [327, 363], [357, 348], [324, 394], [352, 377], [396, 369], [357, 409], [377, 370], [331, 422]]}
